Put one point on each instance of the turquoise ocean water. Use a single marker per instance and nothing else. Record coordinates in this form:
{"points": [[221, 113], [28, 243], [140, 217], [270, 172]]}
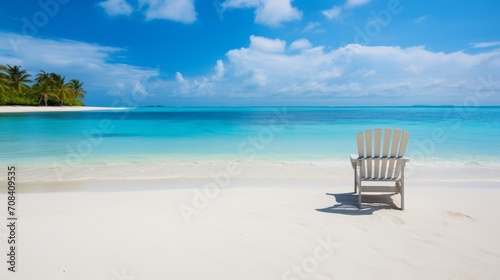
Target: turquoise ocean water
{"points": [[469, 136]]}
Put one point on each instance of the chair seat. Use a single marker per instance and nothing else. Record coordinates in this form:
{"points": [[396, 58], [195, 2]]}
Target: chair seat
{"points": [[380, 189]]}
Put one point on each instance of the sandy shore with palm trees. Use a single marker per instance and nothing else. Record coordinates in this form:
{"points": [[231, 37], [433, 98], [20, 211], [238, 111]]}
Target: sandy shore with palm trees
{"points": [[17, 88], [26, 109]]}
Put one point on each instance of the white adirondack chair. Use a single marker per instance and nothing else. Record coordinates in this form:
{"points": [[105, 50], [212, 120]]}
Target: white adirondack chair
{"points": [[380, 158]]}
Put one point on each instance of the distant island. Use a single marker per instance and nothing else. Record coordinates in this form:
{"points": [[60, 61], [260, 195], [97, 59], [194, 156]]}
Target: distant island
{"points": [[47, 89]]}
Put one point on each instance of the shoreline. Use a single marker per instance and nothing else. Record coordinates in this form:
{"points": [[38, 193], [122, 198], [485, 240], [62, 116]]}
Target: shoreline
{"points": [[32, 109], [332, 170]]}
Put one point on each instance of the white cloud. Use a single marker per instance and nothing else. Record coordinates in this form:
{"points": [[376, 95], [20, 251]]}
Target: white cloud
{"points": [[313, 27], [413, 69], [300, 44], [485, 45], [219, 70], [176, 10], [183, 84], [412, 75], [266, 45], [268, 12], [276, 71], [89, 63], [258, 77], [179, 78], [355, 3], [195, 87], [117, 7], [139, 89], [332, 13], [267, 67], [241, 4], [199, 86], [274, 12], [336, 11]]}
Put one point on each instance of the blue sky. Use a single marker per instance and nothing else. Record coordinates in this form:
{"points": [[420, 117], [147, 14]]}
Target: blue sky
{"points": [[261, 52]]}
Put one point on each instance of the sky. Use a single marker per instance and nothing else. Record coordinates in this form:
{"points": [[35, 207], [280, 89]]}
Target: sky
{"points": [[261, 52]]}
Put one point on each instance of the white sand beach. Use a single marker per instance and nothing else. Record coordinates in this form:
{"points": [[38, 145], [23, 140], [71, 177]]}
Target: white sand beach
{"points": [[27, 109], [277, 224]]}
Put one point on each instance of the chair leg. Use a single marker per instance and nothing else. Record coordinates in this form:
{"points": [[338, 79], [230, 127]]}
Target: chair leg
{"points": [[359, 199], [402, 187], [355, 181], [402, 193], [359, 194]]}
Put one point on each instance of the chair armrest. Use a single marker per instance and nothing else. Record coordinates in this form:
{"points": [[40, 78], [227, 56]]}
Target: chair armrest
{"points": [[405, 159], [355, 160]]}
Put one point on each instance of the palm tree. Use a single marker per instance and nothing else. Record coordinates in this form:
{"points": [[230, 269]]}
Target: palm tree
{"points": [[17, 78], [42, 76], [45, 90], [77, 88], [4, 82], [44, 87], [61, 89]]}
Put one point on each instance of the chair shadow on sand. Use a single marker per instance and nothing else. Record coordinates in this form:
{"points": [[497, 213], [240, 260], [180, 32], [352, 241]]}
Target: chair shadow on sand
{"points": [[347, 204]]}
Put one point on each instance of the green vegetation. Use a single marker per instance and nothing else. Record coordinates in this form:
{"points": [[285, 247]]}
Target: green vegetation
{"points": [[48, 89]]}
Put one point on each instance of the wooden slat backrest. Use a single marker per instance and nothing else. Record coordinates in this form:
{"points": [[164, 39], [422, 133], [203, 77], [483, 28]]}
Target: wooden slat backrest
{"points": [[385, 153], [376, 163], [401, 152], [361, 152], [396, 138], [379, 153], [368, 141], [361, 144]]}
